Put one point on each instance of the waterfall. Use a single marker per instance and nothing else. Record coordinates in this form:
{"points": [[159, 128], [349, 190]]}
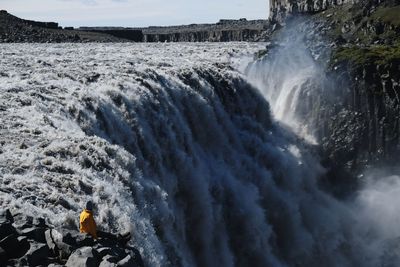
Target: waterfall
{"points": [[293, 81], [172, 142]]}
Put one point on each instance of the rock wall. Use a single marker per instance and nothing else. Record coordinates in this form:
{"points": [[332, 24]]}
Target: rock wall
{"points": [[223, 31], [206, 36], [364, 126], [135, 35], [281, 9], [353, 110]]}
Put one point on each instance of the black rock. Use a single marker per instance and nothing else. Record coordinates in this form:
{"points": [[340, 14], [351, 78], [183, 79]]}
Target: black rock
{"points": [[54, 240], [22, 221], [5, 215], [23, 242], [37, 254], [6, 229], [135, 254], [70, 238], [118, 252], [103, 251], [39, 222], [126, 262], [83, 257], [64, 250], [3, 257], [109, 261], [83, 240], [14, 245], [35, 233]]}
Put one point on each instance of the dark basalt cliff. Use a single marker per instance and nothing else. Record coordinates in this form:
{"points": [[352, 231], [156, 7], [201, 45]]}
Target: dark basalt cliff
{"points": [[365, 65], [358, 122], [223, 31], [281, 9]]}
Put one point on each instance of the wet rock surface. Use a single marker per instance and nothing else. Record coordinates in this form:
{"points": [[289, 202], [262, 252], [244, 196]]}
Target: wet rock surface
{"points": [[352, 108], [362, 117], [42, 245]]}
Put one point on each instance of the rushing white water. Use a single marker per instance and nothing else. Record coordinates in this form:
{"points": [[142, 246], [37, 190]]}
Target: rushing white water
{"points": [[171, 142], [291, 81]]}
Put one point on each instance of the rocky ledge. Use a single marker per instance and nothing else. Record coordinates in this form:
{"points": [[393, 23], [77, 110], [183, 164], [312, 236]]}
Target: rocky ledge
{"points": [[223, 31], [363, 127], [27, 241], [16, 30]]}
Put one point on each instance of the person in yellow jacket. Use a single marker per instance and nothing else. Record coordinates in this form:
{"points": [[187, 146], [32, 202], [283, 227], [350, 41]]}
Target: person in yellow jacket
{"points": [[87, 223]]}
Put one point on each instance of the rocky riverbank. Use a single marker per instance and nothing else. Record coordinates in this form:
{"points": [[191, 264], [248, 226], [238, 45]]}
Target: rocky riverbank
{"points": [[28, 241], [223, 31], [16, 30]]}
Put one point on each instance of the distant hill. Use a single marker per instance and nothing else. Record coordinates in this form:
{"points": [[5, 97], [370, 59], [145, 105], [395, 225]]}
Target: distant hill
{"points": [[16, 30]]}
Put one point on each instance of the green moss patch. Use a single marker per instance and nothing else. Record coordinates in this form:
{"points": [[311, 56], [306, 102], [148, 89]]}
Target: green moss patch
{"points": [[389, 15], [376, 55]]}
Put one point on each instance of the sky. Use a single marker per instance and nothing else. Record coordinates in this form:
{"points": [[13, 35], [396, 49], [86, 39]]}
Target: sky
{"points": [[131, 13]]}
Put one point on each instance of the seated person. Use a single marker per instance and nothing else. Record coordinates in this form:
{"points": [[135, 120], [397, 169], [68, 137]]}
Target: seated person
{"points": [[88, 225]]}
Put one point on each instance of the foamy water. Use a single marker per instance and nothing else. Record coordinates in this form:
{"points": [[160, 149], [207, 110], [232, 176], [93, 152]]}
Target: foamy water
{"points": [[171, 142]]}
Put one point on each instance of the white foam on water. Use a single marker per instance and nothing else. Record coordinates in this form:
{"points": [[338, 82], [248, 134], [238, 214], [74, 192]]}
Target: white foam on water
{"points": [[171, 142]]}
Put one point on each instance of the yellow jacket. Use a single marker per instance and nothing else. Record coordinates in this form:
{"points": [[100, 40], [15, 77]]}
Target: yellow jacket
{"points": [[87, 223]]}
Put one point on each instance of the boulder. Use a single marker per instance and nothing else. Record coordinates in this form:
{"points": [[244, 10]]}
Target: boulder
{"points": [[64, 250], [14, 245], [23, 242], [35, 233], [49, 240], [108, 261], [74, 238], [3, 257], [39, 222], [84, 240], [6, 229], [5, 215], [54, 240], [135, 254], [105, 263], [83, 257], [126, 262], [70, 238], [103, 251], [37, 254], [118, 252], [22, 221]]}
